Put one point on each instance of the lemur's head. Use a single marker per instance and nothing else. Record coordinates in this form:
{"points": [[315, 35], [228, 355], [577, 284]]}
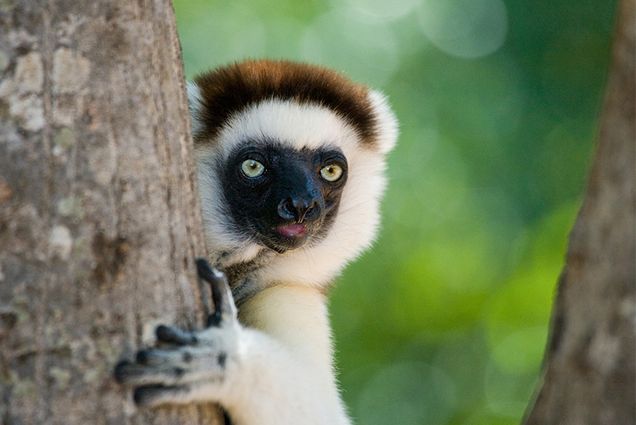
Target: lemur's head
{"points": [[291, 158]]}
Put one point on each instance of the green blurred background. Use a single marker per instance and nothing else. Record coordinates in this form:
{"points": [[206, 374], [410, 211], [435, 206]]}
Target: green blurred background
{"points": [[444, 321]]}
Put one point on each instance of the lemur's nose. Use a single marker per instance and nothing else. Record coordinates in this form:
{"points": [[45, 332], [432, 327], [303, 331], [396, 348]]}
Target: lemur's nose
{"points": [[299, 209]]}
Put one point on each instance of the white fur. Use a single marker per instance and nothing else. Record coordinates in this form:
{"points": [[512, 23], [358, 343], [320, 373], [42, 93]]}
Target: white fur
{"points": [[293, 124], [290, 345], [195, 105], [387, 124]]}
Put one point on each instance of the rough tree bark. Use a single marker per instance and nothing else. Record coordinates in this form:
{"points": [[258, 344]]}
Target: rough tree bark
{"points": [[99, 218], [590, 366]]}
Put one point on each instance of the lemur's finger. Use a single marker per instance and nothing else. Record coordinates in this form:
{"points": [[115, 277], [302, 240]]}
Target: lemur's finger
{"points": [[171, 367], [224, 308], [173, 335], [148, 358], [196, 358], [128, 373], [155, 357], [154, 395]]}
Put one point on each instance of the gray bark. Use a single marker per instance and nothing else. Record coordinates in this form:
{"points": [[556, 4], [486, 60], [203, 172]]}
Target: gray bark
{"points": [[99, 217], [590, 366]]}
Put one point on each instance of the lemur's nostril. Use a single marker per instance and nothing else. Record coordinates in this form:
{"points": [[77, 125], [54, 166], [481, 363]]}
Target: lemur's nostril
{"points": [[286, 209], [299, 209]]}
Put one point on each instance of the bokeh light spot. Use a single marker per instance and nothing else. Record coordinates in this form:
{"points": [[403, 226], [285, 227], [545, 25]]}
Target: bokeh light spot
{"points": [[365, 50], [464, 28], [380, 9]]}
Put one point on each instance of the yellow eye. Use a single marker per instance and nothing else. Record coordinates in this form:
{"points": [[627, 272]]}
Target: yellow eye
{"points": [[331, 172], [252, 168]]}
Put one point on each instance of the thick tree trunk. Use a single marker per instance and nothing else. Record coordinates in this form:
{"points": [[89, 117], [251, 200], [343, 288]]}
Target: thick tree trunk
{"points": [[590, 368], [99, 218]]}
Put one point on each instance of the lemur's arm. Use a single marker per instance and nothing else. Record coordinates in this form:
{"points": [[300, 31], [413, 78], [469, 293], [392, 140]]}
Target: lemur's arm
{"points": [[259, 378]]}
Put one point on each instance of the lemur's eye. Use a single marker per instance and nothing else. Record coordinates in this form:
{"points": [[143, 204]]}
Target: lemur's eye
{"points": [[252, 168], [331, 172]]}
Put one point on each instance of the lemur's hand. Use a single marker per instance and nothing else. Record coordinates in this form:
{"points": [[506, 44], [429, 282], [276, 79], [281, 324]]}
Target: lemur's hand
{"points": [[188, 366]]}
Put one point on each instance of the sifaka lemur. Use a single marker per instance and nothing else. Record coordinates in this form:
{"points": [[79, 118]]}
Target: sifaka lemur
{"points": [[291, 170]]}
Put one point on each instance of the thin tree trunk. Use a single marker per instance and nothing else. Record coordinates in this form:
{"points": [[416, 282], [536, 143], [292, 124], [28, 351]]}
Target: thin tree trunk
{"points": [[590, 367], [99, 217]]}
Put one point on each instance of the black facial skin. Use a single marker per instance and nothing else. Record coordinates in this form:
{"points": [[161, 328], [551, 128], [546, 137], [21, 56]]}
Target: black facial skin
{"points": [[290, 191]]}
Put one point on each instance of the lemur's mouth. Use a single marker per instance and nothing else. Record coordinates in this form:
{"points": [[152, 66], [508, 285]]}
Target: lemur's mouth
{"points": [[292, 230], [287, 236]]}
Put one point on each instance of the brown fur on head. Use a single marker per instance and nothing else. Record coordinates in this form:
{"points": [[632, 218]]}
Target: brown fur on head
{"points": [[230, 89]]}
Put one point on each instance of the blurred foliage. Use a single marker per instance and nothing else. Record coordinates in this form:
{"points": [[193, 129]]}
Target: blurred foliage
{"points": [[445, 320]]}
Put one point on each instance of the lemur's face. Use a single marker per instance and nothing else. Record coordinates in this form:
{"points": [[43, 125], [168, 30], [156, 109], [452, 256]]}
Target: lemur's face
{"points": [[285, 197]]}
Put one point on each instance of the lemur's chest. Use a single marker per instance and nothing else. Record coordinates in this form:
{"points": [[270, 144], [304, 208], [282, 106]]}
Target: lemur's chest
{"points": [[294, 315]]}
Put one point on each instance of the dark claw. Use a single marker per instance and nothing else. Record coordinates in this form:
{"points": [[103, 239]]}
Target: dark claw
{"points": [[120, 371], [125, 371], [143, 395], [142, 357], [221, 294], [221, 360], [214, 319], [174, 335], [149, 357]]}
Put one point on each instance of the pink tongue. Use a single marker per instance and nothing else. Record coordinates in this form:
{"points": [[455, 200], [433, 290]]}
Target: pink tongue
{"points": [[291, 230]]}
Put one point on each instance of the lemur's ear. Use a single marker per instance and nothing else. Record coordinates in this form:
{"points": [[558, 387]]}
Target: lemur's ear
{"points": [[386, 122], [195, 104]]}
